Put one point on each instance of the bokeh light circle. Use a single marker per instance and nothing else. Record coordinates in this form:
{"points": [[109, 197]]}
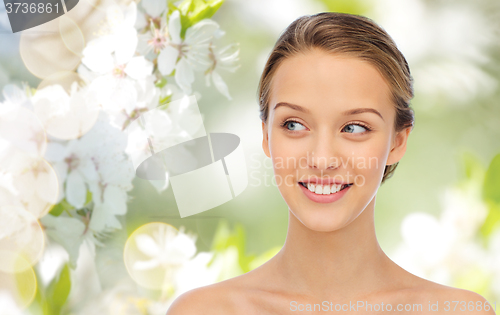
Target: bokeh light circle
{"points": [[71, 35], [65, 116], [156, 277], [63, 78], [21, 235], [17, 278], [44, 52], [25, 134], [38, 187]]}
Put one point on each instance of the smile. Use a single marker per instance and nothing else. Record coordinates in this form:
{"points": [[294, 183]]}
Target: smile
{"points": [[324, 193]]}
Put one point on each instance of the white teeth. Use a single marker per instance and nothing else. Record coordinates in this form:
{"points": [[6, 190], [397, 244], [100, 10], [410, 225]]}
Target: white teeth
{"points": [[311, 187], [319, 190], [326, 190], [333, 189]]}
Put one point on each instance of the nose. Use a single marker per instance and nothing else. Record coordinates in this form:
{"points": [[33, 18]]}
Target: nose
{"points": [[325, 152]]}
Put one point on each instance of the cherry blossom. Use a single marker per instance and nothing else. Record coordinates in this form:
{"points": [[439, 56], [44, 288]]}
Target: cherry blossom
{"points": [[193, 50]]}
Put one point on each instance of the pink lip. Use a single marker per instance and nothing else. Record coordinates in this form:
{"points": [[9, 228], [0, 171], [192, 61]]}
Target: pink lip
{"points": [[324, 198]]}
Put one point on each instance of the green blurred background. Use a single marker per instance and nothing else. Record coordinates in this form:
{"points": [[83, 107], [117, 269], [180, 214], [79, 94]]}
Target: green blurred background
{"points": [[454, 54], [459, 114]]}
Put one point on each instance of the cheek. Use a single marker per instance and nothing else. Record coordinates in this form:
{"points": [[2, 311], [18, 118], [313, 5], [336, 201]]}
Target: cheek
{"points": [[369, 157], [283, 153], [288, 158]]}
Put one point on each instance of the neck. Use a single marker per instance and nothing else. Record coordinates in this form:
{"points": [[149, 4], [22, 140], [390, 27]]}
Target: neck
{"points": [[346, 262]]}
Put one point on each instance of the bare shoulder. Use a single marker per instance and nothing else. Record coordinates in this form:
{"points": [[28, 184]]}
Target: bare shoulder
{"points": [[246, 294], [217, 298], [463, 301], [442, 299]]}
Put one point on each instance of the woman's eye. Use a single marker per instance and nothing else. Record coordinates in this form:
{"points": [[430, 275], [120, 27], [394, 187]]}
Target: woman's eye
{"points": [[294, 126], [353, 128]]}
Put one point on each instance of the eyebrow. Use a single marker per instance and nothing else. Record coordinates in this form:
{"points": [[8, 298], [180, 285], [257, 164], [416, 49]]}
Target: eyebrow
{"points": [[353, 111], [292, 106], [363, 110]]}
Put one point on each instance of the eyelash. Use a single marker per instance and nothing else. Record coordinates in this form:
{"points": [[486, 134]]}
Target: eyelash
{"points": [[358, 123]]}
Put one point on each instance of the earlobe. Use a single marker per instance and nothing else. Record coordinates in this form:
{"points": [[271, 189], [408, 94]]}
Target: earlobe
{"points": [[399, 146], [265, 140]]}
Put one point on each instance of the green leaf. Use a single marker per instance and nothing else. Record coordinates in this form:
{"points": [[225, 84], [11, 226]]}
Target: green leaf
{"points": [[491, 196], [225, 238], [61, 207], [206, 11], [186, 6], [161, 83], [171, 7], [196, 15], [473, 167], [39, 305], [25, 288], [492, 221], [491, 186], [475, 279], [185, 24], [58, 290], [164, 101], [89, 197], [193, 11]]}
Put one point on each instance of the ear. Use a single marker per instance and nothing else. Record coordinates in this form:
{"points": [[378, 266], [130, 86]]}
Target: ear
{"points": [[398, 146], [265, 140]]}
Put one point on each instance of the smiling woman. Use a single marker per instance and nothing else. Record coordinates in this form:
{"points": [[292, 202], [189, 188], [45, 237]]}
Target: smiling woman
{"points": [[335, 90]]}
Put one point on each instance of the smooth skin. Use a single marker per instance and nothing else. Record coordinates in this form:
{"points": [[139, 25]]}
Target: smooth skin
{"points": [[331, 252]]}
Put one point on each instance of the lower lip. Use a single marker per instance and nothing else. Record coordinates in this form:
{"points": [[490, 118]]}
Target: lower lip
{"points": [[324, 198]]}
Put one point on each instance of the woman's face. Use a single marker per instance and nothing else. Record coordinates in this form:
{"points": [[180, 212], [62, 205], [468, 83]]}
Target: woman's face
{"points": [[330, 124]]}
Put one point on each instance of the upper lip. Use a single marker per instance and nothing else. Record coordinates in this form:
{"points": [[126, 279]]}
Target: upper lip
{"points": [[323, 181]]}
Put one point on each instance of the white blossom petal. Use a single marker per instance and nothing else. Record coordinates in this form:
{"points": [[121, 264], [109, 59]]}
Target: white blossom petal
{"points": [[154, 8], [13, 94], [184, 75], [61, 170], [102, 219], [219, 33], [104, 214], [126, 42], [167, 60], [97, 54], [174, 27], [114, 94], [56, 152], [130, 14], [201, 32], [140, 21], [145, 265], [147, 245], [76, 190], [116, 199], [139, 68], [69, 232], [88, 169], [220, 85], [181, 249]]}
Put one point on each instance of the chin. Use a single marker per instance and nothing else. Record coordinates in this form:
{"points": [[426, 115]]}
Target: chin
{"points": [[325, 220]]}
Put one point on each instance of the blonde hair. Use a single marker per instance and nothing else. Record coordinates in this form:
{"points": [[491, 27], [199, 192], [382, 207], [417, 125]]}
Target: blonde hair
{"points": [[347, 34]]}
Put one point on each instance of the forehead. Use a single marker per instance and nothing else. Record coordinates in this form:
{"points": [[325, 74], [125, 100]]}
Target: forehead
{"points": [[315, 79]]}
